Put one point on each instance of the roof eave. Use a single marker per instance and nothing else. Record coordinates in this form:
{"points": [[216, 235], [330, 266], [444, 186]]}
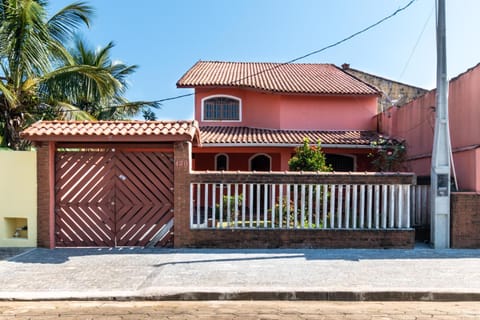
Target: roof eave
{"points": [[285, 145], [113, 138]]}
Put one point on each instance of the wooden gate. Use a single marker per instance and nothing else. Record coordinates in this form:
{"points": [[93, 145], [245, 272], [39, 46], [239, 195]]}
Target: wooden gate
{"points": [[113, 198]]}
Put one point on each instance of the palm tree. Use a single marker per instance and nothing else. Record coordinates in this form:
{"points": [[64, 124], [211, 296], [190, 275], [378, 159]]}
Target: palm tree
{"points": [[33, 55], [80, 92]]}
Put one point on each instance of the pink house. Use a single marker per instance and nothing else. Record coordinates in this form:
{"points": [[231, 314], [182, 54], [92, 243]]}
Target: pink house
{"points": [[252, 116]]}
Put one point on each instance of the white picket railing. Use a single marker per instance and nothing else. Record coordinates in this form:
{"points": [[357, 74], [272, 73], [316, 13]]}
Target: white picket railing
{"points": [[420, 206], [299, 206]]}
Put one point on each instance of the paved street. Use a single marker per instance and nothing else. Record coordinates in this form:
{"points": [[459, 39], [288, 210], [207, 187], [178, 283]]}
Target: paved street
{"points": [[194, 274], [241, 310]]}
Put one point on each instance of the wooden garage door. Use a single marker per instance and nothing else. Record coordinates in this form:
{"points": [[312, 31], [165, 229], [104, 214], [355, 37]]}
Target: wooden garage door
{"points": [[107, 198]]}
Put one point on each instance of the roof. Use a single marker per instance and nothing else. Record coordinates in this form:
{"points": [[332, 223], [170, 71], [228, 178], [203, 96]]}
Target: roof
{"points": [[246, 136], [306, 78], [112, 131]]}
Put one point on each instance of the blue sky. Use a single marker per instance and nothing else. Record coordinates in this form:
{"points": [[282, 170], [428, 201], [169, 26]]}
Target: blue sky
{"points": [[166, 37]]}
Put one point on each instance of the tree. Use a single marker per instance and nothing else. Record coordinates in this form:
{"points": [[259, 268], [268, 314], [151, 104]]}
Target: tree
{"points": [[309, 158], [32, 54], [389, 155], [82, 93]]}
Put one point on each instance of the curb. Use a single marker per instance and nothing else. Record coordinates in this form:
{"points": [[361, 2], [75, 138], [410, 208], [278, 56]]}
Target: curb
{"points": [[261, 296]]}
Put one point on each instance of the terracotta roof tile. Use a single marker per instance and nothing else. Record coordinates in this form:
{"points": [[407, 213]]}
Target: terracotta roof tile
{"points": [[310, 78], [112, 131], [221, 135]]}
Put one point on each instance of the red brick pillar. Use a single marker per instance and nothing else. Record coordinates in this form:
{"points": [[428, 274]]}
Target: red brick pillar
{"points": [[181, 205], [46, 194]]}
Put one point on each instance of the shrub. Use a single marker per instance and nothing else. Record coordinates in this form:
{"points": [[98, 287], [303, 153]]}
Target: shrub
{"points": [[309, 158]]}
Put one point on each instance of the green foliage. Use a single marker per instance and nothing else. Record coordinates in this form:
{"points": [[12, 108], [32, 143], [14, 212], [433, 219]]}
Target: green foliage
{"points": [[149, 115], [389, 155], [41, 79], [294, 220], [229, 200], [309, 158]]}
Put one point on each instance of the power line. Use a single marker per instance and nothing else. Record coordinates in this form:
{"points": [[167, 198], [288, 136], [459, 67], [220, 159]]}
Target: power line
{"points": [[417, 42], [298, 58], [310, 53]]}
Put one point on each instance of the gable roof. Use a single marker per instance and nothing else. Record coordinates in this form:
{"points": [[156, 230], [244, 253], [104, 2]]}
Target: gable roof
{"points": [[246, 136], [306, 78], [112, 131]]}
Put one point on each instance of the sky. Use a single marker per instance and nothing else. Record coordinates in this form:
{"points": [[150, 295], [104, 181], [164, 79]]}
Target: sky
{"points": [[166, 37]]}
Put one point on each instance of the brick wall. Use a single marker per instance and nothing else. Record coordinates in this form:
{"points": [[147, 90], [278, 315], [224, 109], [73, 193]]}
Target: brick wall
{"points": [[465, 220], [300, 239], [45, 163], [305, 177], [181, 203]]}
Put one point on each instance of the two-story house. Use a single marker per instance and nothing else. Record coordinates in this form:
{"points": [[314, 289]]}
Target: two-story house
{"points": [[252, 115]]}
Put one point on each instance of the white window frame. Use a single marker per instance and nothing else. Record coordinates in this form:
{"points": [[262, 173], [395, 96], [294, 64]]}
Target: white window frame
{"points": [[223, 96], [256, 155], [226, 156]]}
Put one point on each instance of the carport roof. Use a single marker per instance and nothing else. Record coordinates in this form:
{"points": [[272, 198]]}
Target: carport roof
{"points": [[113, 131]]}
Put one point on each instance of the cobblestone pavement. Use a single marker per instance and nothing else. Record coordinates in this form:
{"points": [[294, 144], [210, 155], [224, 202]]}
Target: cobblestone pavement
{"points": [[240, 310], [6, 253]]}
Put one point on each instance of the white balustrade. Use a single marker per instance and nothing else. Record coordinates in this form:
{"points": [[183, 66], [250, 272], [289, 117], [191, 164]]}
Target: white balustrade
{"points": [[302, 206]]}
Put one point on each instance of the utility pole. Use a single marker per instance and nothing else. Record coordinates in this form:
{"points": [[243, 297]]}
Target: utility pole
{"points": [[440, 172]]}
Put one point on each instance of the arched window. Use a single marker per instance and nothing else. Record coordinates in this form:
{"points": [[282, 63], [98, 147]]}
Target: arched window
{"points": [[260, 162], [221, 162], [221, 108]]}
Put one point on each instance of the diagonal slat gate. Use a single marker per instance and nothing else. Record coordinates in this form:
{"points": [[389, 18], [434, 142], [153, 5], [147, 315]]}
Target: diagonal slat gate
{"points": [[106, 198]]}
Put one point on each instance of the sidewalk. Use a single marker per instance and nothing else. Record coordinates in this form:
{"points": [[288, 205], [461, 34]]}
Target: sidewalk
{"points": [[194, 274]]}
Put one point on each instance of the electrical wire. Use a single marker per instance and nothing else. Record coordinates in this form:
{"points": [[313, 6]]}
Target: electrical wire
{"points": [[310, 53], [416, 43], [337, 43]]}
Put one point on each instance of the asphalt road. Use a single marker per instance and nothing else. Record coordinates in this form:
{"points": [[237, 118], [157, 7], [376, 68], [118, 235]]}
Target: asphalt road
{"points": [[130, 310]]}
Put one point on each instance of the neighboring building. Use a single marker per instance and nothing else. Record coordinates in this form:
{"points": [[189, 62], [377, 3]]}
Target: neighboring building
{"points": [[415, 122], [394, 93], [252, 116]]}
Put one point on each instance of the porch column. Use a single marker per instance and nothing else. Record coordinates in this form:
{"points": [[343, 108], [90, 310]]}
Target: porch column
{"points": [[46, 195], [284, 157], [181, 204]]}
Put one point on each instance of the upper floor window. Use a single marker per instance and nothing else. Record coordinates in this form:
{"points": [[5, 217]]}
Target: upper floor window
{"points": [[221, 108]]}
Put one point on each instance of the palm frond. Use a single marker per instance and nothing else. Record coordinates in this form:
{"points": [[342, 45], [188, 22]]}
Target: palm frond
{"points": [[63, 25], [8, 95], [67, 111]]}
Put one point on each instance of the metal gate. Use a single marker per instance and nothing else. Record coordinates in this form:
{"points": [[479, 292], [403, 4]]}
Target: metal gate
{"points": [[113, 198]]}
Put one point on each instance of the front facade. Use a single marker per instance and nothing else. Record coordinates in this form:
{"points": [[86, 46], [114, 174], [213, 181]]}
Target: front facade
{"points": [[252, 116], [130, 183]]}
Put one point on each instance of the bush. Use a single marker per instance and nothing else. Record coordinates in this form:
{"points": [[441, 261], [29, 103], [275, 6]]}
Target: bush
{"points": [[309, 158]]}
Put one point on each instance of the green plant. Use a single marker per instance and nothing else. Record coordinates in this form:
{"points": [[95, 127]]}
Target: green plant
{"points": [[309, 158], [389, 155], [291, 217], [229, 203]]}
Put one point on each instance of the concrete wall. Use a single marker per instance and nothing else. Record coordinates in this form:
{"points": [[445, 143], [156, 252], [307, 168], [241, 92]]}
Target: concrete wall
{"points": [[281, 111], [393, 92], [18, 199]]}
